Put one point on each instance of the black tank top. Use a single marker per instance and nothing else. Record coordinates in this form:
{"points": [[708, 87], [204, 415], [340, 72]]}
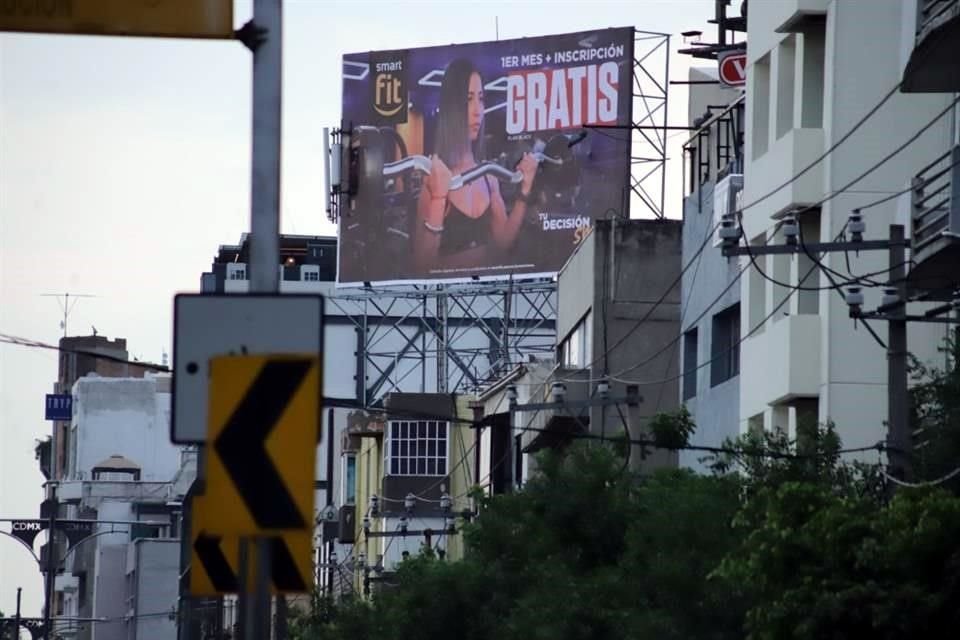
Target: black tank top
{"points": [[461, 232]]}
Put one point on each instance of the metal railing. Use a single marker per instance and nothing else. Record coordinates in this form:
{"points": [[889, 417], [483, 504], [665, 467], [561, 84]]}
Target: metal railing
{"points": [[933, 13], [935, 201], [717, 147]]}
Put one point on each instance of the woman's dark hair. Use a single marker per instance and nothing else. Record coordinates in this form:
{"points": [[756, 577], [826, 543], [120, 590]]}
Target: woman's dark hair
{"points": [[453, 133]]}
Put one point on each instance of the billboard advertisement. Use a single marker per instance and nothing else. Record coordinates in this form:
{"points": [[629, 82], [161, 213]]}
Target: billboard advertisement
{"points": [[485, 160]]}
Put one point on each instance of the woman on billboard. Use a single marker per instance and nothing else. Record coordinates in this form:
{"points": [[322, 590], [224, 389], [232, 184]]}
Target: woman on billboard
{"points": [[465, 227]]}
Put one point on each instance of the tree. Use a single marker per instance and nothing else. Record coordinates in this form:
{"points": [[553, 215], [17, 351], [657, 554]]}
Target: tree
{"points": [[935, 415], [584, 551], [824, 554], [7, 631]]}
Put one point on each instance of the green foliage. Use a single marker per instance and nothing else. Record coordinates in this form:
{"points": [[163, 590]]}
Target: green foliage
{"points": [[935, 415], [672, 430], [786, 540], [585, 551]]}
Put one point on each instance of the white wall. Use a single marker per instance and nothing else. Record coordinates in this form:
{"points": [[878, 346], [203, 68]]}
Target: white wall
{"points": [[122, 416], [866, 45], [157, 565]]}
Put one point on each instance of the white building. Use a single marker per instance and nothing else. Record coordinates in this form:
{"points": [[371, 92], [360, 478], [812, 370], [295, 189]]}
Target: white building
{"points": [[123, 472], [815, 68]]}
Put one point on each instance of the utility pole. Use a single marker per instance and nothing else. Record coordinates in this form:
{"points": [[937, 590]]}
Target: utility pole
{"points": [[898, 406], [893, 310], [264, 37], [51, 563]]}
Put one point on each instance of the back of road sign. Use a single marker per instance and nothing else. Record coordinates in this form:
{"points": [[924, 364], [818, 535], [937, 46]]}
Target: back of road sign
{"points": [[208, 326]]}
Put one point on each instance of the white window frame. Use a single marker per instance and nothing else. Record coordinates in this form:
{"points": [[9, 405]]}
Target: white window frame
{"points": [[399, 463]]}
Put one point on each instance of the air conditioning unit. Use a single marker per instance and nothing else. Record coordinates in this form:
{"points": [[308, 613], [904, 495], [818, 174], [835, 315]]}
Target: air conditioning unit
{"points": [[727, 198]]}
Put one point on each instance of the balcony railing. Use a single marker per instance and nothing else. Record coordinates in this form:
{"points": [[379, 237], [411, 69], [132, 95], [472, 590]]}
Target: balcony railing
{"points": [[932, 14], [934, 197], [935, 221], [716, 149], [932, 66]]}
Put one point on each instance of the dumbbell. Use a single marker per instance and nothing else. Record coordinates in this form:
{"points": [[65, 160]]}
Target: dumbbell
{"points": [[371, 146], [423, 163]]}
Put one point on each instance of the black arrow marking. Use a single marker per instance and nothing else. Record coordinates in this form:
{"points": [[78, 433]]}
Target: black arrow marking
{"points": [[242, 445], [286, 575], [215, 563]]}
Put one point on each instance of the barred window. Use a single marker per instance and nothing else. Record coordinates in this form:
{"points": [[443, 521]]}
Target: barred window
{"points": [[417, 448]]}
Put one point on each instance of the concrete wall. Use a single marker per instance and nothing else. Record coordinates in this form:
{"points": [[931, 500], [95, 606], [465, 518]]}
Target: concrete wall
{"points": [[109, 593], [715, 409], [631, 284], [576, 286], [123, 416], [155, 568]]}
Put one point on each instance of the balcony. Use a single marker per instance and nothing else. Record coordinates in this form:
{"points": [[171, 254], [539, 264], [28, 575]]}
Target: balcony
{"points": [[785, 158], [793, 16], [935, 223], [784, 363], [933, 67]]}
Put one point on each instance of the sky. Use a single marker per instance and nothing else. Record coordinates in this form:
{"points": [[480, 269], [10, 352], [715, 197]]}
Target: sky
{"points": [[125, 163]]}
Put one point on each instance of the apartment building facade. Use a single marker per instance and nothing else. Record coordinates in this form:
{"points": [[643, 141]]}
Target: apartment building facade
{"points": [[816, 68]]}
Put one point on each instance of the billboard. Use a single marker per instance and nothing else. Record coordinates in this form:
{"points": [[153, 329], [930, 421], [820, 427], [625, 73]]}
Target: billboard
{"points": [[485, 160]]}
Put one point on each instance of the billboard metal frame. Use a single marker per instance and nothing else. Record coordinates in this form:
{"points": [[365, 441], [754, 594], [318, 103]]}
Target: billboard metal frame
{"points": [[432, 320], [648, 156], [435, 324]]}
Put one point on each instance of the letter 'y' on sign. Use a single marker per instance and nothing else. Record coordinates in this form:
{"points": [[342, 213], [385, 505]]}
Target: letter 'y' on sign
{"points": [[263, 418]]}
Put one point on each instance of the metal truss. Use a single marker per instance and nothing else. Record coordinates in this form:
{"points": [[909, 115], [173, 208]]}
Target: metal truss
{"points": [[648, 139], [450, 338]]}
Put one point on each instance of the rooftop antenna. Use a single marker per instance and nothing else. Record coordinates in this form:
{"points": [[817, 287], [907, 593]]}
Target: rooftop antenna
{"points": [[63, 299]]}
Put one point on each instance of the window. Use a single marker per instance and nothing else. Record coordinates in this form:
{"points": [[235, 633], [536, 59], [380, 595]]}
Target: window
{"points": [[417, 448], [690, 341], [725, 348], [576, 350], [238, 274], [786, 64], [311, 276], [350, 479], [760, 103], [813, 42]]}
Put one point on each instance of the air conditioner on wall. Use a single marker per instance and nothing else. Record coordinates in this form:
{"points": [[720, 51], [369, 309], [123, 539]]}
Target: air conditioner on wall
{"points": [[726, 199]]}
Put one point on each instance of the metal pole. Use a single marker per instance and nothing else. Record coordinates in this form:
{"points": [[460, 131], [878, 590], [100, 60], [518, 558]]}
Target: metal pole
{"points": [[51, 563], [265, 179], [898, 406], [243, 598], [261, 609], [331, 434], [16, 617], [265, 230]]}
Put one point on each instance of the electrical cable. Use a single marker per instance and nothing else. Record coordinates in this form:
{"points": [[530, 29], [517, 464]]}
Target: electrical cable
{"points": [[762, 198], [921, 485], [722, 353], [823, 155], [830, 196], [683, 312], [880, 446], [24, 342]]}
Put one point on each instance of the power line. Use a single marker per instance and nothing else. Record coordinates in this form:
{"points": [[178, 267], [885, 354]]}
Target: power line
{"points": [[26, 342], [739, 212], [826, 153]]}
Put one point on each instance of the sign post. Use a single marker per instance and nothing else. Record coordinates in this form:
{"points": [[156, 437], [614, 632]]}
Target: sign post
{"points": [[265, 231]]}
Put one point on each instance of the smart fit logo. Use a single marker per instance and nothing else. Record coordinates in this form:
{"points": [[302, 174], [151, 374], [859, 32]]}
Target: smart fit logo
{"points": [[390, 87]]}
